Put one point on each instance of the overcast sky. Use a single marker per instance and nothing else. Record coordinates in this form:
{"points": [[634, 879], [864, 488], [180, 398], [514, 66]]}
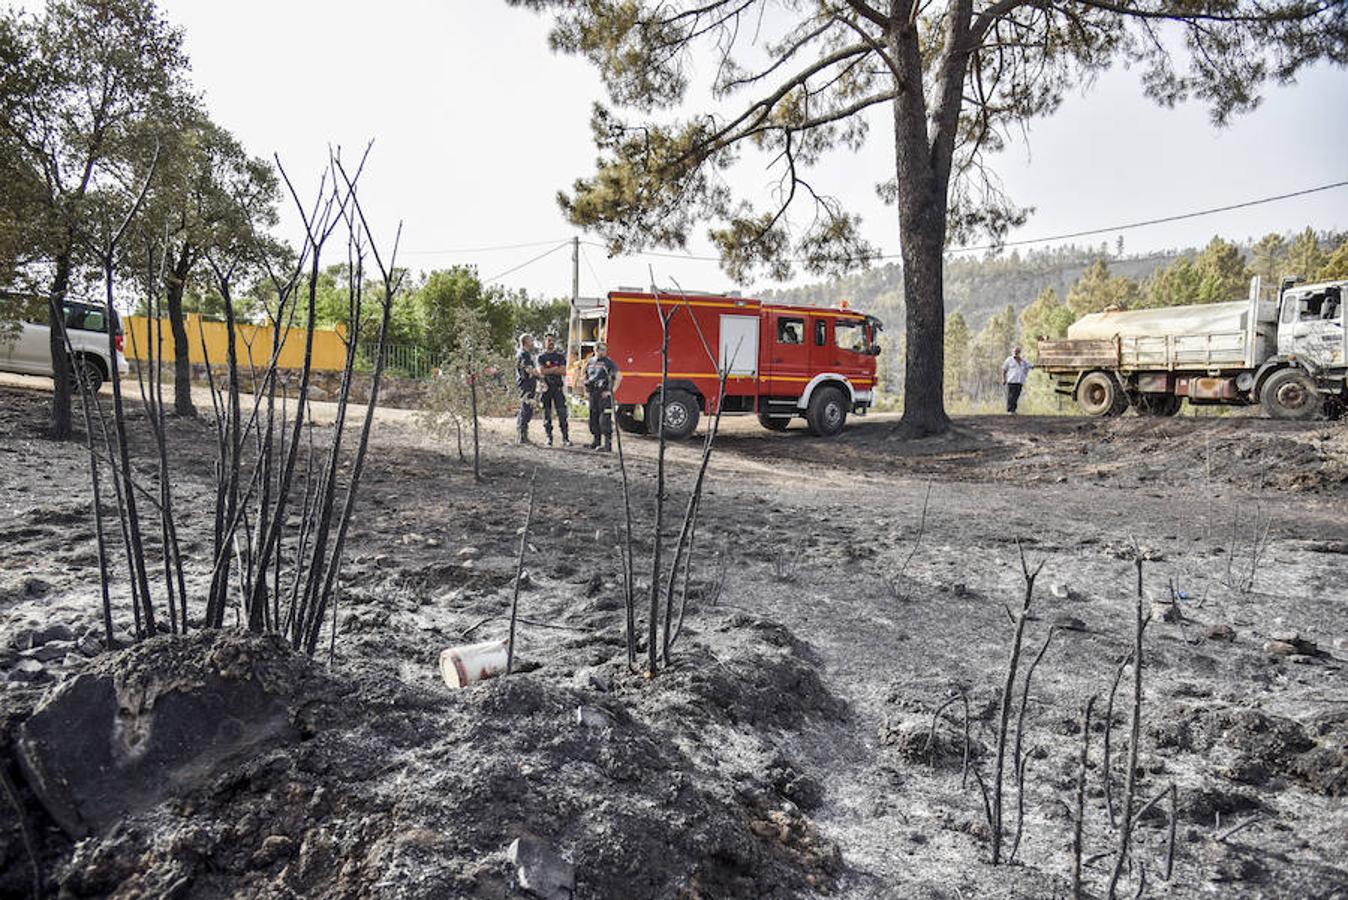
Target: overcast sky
{"points": [[477, 125]]}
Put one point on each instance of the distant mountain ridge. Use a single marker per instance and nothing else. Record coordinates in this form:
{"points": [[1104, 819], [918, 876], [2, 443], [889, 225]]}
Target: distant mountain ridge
{"points": [[978, 287]]}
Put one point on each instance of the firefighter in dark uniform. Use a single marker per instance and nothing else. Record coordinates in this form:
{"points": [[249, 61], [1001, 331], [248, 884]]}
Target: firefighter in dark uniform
{"points": [[526, 379], [601, 381], [552, 366]]}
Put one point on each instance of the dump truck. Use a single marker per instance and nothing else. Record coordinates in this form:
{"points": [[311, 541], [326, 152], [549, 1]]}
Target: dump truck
{"points": [[1288, 355], [783, 362]]}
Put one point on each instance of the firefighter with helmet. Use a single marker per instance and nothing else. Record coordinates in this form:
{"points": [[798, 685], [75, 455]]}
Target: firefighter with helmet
{"points": [[601, 381]]}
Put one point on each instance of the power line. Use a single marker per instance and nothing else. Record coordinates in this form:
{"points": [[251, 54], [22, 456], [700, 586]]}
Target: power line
{"points": [[1043, 240], [598, 283], [530, 262], [1160, 221], [492, 249]]}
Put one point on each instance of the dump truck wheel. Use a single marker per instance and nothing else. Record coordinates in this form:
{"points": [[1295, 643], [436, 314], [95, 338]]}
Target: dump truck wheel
{"points": [[681, 414], [827, 412], [774, 423], [1099, 395], [1158, 405], [626, 419], [1290, 394]]}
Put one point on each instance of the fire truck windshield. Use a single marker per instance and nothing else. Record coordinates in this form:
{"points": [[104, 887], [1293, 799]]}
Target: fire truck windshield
{"points": [[849, 335]]}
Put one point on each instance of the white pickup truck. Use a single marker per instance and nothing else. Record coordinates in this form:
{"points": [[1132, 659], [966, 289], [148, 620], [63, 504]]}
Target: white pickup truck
{"points": [[29, 351], [1289, 356]]}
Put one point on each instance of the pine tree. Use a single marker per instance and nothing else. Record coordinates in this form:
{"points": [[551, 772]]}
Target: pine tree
{"points": [[1304, 257], [1096, 290], [1044, 319], [957, 337], [1336, 266], [1222, 274], [1268, 260]]}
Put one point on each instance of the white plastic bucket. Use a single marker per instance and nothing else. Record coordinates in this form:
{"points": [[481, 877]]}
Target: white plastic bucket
{"points": [[471, 663]]}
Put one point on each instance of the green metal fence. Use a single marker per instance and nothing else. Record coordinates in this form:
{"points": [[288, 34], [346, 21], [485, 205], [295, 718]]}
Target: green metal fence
{"points": [[406, 360]]}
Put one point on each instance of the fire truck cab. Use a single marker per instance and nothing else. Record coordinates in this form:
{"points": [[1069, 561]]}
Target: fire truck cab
{"points": [[784, 361]]}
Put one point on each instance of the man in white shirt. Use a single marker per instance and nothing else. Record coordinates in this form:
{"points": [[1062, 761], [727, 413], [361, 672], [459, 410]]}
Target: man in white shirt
{"points": [[1014, 372]]}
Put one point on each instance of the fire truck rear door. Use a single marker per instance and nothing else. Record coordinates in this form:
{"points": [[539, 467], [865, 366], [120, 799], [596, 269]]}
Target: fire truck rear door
{"points": [[739, 344]]}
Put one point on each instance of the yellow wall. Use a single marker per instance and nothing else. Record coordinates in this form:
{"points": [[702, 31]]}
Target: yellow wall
{"points": [[252, 343]]}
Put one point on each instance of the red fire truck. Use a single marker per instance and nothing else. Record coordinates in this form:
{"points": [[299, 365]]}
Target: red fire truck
{"points": [[784, 361]]}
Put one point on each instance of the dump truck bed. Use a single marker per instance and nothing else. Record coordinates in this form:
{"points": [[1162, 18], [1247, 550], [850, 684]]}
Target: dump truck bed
{"points": [[1207, 337]]}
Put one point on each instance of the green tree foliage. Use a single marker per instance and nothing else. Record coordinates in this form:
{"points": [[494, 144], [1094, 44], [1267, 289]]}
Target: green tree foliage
{"points": [[956, 77], [538, 318], [1096, 290], [79, 82], [1215, 275], [1045, 319], [1222, 274], [991, 347], [207, 196], [1175, 285], [1268, 260], [1336, 266], [474, 379], [1305, 257], [957, 356], [443, 296]]}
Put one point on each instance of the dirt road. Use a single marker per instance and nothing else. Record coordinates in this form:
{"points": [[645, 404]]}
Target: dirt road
{"points": [[799, 706]]}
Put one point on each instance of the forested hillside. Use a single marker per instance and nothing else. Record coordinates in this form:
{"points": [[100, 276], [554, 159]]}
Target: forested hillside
{"points": [[994, 302]]}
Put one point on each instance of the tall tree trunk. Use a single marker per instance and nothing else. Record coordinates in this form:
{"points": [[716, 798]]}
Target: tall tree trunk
{"points": [[924, 145], [182, 364], [923, 385], [60, 361], [922, 223]]}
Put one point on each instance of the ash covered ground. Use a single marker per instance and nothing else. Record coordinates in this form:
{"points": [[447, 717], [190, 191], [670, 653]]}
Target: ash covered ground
{"points": [[787, 752]]}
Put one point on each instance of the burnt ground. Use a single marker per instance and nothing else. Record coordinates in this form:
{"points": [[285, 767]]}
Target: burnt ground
{"points": [[786, 752]]}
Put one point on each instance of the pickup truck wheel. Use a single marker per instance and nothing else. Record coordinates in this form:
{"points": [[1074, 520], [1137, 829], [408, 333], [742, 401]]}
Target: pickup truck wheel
{"points": [[626, 419], [87, 373], [681, 414], [1100, 395], [774, 423], [1290, 394], [827, 412]]}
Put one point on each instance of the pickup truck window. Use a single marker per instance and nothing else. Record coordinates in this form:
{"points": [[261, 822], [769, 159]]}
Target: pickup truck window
{"points": [[850, 335], [790, 331], [91, 320]]}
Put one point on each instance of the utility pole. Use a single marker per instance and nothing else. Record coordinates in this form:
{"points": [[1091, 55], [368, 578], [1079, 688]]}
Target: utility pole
{"points": [[575, 272], [573, 324]]}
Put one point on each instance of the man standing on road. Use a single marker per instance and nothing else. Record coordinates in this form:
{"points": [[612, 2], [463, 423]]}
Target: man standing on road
{"points": [[1014, 372], [552, 366], [526, 379], [601, 380]]}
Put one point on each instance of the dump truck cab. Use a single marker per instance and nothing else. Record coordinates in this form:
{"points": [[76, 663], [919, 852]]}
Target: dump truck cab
{"points": [[1311, 324]]}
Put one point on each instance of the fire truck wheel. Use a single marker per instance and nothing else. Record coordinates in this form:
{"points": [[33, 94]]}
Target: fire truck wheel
{"points": [[774, 423], [827, 413], [626, 419], [1099, 395], [1290, 394], [681, 415]]}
